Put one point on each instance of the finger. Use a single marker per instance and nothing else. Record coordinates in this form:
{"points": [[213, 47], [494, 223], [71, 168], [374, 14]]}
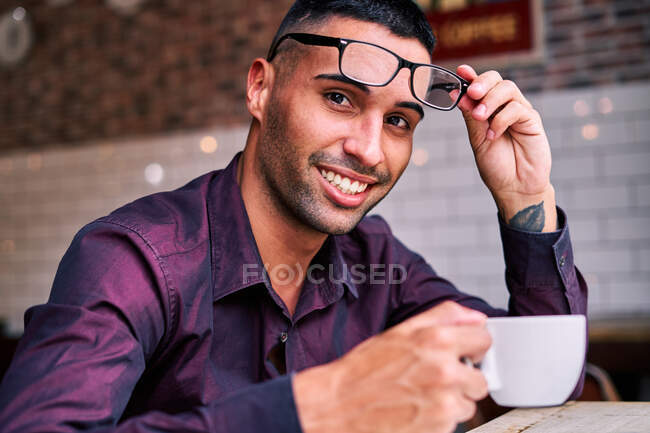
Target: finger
{"points": [[446, 313], [448, 374], [466, 409], [469, 341], [455, 405], [467, 72], [466, 104], [499, 95], [512, 113], [475, 386], [483, 84]]}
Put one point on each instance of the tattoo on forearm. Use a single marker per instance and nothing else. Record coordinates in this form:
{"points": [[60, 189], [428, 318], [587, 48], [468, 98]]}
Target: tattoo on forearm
{"points": [[530, 219]]}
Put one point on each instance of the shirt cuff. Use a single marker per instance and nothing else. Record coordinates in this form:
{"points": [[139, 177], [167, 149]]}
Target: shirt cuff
{"points": [[539, 260]]}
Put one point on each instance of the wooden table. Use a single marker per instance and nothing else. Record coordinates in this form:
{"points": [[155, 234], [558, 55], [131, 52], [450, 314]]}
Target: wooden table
{"points": [[574, 417]]}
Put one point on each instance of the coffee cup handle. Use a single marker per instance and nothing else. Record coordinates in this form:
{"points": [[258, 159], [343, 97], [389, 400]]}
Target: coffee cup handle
{"points": [[489, 369]]}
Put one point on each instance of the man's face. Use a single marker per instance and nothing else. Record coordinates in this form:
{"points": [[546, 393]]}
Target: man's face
{"points": [[330, 150]]}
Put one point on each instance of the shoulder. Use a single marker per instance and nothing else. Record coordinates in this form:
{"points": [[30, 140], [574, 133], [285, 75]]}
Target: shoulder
{"points": [[169, 222]]}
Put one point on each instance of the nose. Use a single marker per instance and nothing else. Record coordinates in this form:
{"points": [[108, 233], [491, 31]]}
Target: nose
{"points": [[365, 140]]}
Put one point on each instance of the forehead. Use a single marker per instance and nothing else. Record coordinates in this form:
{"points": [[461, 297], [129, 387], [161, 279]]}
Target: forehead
{"points": [[349, 28]]}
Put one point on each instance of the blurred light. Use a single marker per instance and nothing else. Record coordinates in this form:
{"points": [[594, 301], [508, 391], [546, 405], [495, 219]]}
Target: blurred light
{"points": [[581, 108], [34, 161], [19, 13], [8, 246], [420, 157], [154, 173], [605, 105], [208, 144], [590, 131]]}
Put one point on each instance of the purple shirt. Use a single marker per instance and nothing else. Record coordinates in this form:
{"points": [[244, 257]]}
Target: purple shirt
{"points": [[160, 319]]}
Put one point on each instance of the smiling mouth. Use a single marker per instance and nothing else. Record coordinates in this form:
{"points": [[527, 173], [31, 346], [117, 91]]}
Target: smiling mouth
{"points": [[343, 183]]}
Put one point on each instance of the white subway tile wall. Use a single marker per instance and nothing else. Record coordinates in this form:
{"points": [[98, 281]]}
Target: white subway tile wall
{"points": [[601, 172]]}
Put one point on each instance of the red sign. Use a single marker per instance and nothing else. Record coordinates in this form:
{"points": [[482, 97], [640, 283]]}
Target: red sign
{"points": [[491, 29]]}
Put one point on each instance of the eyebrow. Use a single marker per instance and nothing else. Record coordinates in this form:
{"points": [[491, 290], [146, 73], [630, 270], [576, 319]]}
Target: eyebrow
{"points": [[412, 106], [343, 79]]}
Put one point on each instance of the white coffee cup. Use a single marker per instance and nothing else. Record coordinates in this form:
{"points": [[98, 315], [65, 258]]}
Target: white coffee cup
{"points": [[534, 361]]}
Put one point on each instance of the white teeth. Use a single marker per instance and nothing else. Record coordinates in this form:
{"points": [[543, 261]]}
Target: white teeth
{"points": [[344, 184]]}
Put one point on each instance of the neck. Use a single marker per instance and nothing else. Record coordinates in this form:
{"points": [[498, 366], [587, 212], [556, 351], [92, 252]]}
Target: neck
{"points": [[284, 242]]}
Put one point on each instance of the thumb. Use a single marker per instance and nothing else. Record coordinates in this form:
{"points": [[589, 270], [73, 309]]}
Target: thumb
{"points": [[476, 129]]}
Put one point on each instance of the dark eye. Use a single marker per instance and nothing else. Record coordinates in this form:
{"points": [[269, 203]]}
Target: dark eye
{"points": [[398, 121], [337, 98]]}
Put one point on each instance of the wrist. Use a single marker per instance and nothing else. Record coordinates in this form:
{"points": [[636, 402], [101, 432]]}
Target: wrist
{"points": [[529, 212]]}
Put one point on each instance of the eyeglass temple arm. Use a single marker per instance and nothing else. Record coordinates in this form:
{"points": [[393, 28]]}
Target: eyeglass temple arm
{"points": [[450, 86], [304, 38]]}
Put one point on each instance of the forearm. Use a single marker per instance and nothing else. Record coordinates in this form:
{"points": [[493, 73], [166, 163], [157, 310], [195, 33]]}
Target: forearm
{"points": [[541, 275], [540, 271]]}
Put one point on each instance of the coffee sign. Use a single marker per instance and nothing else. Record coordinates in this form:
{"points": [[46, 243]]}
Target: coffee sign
{"points": [[491, 31]]}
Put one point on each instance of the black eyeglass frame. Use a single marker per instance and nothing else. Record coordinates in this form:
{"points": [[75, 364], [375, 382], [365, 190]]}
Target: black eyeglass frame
{"points": [[341, 44]]}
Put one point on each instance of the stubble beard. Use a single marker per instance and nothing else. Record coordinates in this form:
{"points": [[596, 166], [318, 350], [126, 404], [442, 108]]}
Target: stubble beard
{"points": [[287, 179]]}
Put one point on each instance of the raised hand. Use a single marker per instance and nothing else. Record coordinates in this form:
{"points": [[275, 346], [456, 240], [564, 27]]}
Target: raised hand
{"points": [[511, 149]]}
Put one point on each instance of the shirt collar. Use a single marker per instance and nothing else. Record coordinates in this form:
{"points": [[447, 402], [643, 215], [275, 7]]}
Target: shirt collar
{"points": [[340, 275], [236, 262]]}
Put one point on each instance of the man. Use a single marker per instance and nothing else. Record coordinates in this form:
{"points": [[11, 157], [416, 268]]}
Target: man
{"points": [[161, 319]]}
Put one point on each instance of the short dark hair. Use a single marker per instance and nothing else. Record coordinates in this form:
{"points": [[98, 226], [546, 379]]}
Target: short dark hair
{"points": [[402, 17]]}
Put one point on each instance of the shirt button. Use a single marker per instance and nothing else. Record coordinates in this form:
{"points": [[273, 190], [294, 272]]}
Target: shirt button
{"points": [[283, 337], [562, 261]]}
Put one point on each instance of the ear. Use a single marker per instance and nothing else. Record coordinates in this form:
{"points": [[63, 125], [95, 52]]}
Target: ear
{"points": [[258, 87]]}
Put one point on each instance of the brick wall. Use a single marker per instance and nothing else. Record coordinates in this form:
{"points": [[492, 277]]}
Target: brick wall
{"points": [[590, 43], [601, 171], [94, 74]]}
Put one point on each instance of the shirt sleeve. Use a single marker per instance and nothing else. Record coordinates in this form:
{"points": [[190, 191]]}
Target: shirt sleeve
{"points": [[540, 273], [84, 351]]}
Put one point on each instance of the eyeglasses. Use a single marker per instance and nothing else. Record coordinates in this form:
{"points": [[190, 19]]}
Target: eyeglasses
{"points": [[372, 65]]}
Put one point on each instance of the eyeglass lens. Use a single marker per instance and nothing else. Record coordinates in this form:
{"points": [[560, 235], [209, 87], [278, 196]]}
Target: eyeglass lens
{"points": [[434, 86], [368, 64], [376, 66]]}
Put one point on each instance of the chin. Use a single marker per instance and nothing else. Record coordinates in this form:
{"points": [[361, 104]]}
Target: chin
{"points": [[332, 222]]}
